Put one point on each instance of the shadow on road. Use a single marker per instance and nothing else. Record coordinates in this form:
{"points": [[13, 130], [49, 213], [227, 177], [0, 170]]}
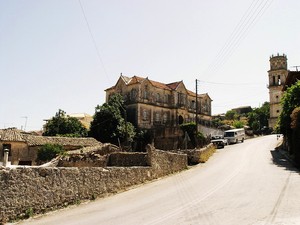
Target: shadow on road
{"points": [[281, 160]]}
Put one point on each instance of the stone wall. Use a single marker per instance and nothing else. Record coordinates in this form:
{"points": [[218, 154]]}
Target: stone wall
{"points": [[38, 190], [196, 156], [125, 159], [84, 160]]}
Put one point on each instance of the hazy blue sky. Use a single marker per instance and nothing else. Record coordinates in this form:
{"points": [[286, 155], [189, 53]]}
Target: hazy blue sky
{"points": [[49, 60]]}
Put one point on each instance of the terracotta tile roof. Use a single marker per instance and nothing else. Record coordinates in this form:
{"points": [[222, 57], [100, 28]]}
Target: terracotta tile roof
{"points": [[65, 141], [191, 93], [135, 80], [138, 80], [160, 85], [169, 86], [126, 79], [174, 85], [11, 134], [15, 135]]}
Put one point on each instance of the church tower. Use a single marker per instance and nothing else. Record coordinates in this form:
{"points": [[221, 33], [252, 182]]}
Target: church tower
{"points": [[277, 76]]}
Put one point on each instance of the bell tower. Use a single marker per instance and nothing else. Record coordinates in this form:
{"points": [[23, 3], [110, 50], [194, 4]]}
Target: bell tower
{"points": [[277, 76]]}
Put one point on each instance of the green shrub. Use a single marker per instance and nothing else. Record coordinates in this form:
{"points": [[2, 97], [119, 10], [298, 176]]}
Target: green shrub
{"points": [[28, 213], [49, 151]]}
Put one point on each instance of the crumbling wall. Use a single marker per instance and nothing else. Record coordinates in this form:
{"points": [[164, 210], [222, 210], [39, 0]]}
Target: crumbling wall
{"points": [[95, 156], [196, 156], [27, 190], [128, 159]]}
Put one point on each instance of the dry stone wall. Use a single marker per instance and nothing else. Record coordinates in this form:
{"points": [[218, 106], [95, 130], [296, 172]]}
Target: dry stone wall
{"points": [[38, 190], [196, 156]]}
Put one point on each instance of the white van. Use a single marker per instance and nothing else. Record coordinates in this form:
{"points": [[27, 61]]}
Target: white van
{"points": [[235, 135]]}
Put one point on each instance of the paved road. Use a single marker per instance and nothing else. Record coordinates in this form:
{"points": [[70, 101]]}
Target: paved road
{"points": [[246, 183]]}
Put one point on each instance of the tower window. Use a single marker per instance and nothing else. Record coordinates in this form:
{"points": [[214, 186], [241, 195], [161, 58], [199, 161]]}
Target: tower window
{"points": [[274, 80]]}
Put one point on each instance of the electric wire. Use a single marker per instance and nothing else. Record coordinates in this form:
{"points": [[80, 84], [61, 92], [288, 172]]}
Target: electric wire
{"points": [[228, 84], [248, 20], [93, 39], [232, 35], [243, 35]]}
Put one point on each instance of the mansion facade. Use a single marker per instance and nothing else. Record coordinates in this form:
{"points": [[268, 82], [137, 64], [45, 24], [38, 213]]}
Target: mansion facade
{"points": [[161, 108]]}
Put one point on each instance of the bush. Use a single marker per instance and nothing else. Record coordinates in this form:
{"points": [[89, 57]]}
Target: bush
{"points": [[49, 151]]}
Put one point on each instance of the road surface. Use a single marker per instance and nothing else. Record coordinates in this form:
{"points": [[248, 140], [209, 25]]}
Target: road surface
{"points": [[245, 183]]}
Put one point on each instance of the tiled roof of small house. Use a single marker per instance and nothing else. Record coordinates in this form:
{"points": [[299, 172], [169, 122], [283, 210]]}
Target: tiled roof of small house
{"points": [[65, 141], [15, 135], [11, 134]]}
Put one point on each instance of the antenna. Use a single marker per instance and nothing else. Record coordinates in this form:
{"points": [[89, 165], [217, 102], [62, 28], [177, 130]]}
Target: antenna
{"points": [[25, 117]]}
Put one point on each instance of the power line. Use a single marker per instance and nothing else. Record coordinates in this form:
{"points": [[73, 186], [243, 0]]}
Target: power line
{"points": [[244, 33], [232, 35], [93, 39], [250, 17], [230, 84]]}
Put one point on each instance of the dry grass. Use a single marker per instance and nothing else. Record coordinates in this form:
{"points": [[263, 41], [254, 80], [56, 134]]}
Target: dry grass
{"points": [[207, 153]]}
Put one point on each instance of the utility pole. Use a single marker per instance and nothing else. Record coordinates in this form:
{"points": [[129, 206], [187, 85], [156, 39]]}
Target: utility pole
{"points": [[196, 106]]}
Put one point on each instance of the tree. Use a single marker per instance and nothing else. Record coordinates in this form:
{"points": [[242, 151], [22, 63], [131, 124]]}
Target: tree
{"points": [[196, 139], [290, 101], [217, 122], [62, 125], [231, 115], [49, 151], [110, 123], [238, 124], [258, 118]]}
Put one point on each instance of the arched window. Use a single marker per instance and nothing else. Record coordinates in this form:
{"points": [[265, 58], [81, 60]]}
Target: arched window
{"points": [[157, 116], [158, 97], [133, 94], [145, 114], [180, 120], [165, 117]]}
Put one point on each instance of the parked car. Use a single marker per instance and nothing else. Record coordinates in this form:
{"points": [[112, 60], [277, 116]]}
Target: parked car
{"points": [[218, 141]]}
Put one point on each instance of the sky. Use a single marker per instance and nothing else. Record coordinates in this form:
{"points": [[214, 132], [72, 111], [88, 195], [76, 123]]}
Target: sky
{"points": [[63, 54]]}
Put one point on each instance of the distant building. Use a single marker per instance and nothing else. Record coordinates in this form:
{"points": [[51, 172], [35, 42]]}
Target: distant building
{"points": [[277, 77], [160, 108], [84, 118], [243, 109]]}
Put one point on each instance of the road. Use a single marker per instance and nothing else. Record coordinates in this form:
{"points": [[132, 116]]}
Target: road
{"points": [[245, 183]]}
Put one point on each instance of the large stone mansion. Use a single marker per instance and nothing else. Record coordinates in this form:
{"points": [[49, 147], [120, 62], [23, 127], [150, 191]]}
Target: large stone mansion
{"points": [[161, 108]]}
